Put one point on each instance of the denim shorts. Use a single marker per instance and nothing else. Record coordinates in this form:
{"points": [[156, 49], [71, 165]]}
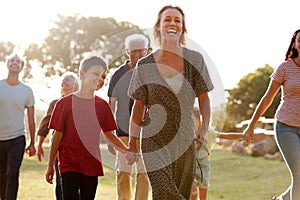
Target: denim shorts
{"points": [[202, 179]]}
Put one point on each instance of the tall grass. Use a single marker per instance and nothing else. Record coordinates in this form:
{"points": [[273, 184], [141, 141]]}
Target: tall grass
{"points": [[233, 177]]}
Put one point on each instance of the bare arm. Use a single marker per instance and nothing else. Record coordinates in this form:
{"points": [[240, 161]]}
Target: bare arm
{"points": [[53, 151], [30, 150], [40, 152], [205, 112], [115, 141], [231, 136], [136, 119], [112, 102], [263, 105]]}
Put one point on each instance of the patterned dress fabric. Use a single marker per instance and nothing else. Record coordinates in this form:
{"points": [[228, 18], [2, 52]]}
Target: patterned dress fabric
{"points": [[168, 127]]}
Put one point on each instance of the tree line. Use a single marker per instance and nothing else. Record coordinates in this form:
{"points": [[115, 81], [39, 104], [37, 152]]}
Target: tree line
{"points": [[71, 37]]}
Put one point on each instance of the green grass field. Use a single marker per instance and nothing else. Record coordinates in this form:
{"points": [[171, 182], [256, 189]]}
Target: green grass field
{"points": [[233, 177]]}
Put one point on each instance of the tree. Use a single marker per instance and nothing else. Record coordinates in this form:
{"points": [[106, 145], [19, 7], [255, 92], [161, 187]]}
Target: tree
{"points": [[6, 48], [243, 99], [73, 36]]}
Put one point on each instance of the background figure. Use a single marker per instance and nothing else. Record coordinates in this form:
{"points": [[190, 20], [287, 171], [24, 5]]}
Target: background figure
{"points": [[136, 47], [287, 129], [165, 84], [15, 98], [202, 176], [69, 84], [78, 120], [203, 152]]}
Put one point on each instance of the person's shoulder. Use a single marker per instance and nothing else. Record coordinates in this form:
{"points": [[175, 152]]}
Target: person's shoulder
{"points": [[192, 53], [148, 59], [64, 99], [100, 99], [25, 86], [286, 65], [2, 82], [53, 102], [123, 68], [288, 62], [101, 102]]}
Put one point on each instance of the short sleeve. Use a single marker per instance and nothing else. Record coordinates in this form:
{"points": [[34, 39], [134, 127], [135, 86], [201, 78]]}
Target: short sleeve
{"points": [[198, 73], [205, 74], [112, 84], [30, 100], [278, 74], [137, 89], [108, 123], [57, 118]]}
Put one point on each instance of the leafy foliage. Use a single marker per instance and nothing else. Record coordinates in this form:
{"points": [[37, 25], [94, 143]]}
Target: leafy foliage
{"points": [[72, 37], [243, 99], [6, 48]]}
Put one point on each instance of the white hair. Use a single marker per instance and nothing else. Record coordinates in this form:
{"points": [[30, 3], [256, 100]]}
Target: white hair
{"points": [[74, 76], [140, 38]]}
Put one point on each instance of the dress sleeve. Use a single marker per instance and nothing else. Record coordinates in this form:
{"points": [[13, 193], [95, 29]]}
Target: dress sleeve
{"points": [[205, 74], [137, 89], [199, 72]]}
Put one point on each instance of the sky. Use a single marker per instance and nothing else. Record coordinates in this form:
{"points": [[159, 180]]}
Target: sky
{"points": [[239, 36]]}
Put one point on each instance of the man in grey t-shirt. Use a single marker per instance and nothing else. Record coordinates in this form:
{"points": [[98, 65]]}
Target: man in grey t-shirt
{"points": [[15, 97]]}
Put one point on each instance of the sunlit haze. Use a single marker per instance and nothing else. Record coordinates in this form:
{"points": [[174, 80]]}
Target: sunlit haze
{"points": [[239, 36]]}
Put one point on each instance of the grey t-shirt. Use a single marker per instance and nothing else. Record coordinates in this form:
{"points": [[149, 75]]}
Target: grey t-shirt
{"points": [[13, 101], [118, 87]]}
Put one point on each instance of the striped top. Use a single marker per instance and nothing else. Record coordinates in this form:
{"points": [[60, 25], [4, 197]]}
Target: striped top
{"points": [[288, 75]]}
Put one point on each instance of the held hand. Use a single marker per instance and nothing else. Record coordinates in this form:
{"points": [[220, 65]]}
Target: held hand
{"points": [[132, 155], [249, 135], [30, 150], [131, 158], [49, 174], [40, 153], [111, 149], [202, 135]]}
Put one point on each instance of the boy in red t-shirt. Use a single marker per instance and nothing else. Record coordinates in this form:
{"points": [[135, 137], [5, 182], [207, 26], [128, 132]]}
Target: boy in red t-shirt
{"points": [[78, 120]]}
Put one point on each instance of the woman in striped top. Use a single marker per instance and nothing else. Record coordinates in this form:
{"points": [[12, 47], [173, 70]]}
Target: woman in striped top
{"points": [[287, 130]]}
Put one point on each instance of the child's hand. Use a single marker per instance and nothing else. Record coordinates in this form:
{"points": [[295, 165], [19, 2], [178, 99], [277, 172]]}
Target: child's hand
{"points": [[131, 158], [111, 149]]}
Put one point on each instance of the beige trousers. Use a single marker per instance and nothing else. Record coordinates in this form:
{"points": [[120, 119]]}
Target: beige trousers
{"points": [[124, 177]]}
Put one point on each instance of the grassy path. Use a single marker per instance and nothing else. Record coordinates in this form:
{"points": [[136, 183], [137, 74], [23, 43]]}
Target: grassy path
{"points": [[232, 177]]}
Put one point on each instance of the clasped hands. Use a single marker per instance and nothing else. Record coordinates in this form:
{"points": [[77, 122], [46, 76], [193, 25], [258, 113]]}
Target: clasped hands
{"points": [[132, 157]]}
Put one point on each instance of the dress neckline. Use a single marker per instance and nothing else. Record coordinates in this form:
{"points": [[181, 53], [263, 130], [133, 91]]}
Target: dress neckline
{"points": [[183, 72]]}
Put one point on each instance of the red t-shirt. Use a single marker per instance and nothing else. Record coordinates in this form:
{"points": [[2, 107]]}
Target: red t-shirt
{"points": [[80, 121]]}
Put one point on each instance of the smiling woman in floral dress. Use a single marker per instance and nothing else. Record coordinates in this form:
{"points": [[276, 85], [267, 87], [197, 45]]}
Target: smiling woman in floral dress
{"points": [[165, 85]]}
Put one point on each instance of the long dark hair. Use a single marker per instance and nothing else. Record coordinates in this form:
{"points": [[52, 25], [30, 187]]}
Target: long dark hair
{"points": [[156, 32], [292, 52]]}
